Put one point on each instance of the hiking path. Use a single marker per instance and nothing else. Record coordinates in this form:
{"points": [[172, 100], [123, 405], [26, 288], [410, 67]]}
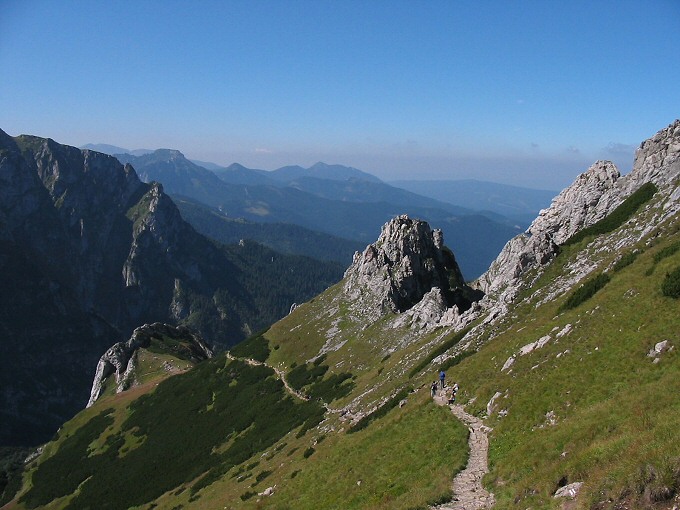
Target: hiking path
{"points": [[468, 491]]}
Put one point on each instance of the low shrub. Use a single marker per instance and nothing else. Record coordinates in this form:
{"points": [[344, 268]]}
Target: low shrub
{"points": [[626, 260], [448, 343], [182, 422], [381, 411], [255, 347], [311, 377], [671, 284], [585, 291], [452, 362]]}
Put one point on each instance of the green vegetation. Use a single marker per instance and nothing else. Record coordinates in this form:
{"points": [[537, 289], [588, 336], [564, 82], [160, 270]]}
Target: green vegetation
{"points": [[589, 406], [454, 360], [403, 461], [217, 403], [586, 291], [381, 411], [11, 465], [671, 284], [618, 216], [445, 346], [626, 260], [663, 253], [255, 347], [310, 379]]}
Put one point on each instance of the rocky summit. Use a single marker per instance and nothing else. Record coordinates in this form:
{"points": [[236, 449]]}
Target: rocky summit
{"points": [[590, 198], [405, 264]]}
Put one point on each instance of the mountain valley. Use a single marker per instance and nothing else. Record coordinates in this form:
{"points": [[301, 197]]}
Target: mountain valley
{"points": [[566, 349], [88, 254]]}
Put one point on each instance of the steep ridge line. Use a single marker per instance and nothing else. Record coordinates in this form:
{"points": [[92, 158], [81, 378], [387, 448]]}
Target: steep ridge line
{"points": [[468, 491]]}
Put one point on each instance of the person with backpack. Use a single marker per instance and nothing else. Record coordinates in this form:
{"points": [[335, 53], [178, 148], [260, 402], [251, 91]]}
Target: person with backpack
{"points": [[433, 389], [442, 376]]}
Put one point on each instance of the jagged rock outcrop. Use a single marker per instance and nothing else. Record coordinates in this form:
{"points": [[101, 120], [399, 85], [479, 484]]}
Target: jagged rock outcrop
{"points": [[585, 202], [405, 264], [657, 160], [118, 360], [592, 196]]}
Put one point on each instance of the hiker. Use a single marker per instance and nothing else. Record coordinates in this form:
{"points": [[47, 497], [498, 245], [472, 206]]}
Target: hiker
{"points": [[442, 376], [433, 389], [454, 390]]}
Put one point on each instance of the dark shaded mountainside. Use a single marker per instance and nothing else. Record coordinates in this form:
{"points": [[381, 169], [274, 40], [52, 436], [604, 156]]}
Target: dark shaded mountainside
{"points": [[570, 359], [88, 252], [339, 201]]}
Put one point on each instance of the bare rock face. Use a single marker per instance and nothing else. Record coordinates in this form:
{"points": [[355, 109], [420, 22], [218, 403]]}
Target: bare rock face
{"points": [[407, 261], [592, 196], [119, 359], [586, 201], [657, 160]]}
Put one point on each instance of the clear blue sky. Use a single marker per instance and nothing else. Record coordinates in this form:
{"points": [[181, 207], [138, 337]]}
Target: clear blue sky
{"points": [[528, 92]]}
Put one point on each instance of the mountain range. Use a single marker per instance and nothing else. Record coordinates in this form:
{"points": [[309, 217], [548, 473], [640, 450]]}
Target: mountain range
{"points": [[341, 201], [564, 353], [515, 202], [89, 252]]}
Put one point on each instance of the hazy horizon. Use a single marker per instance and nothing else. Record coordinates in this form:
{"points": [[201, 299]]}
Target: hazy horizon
{"points": [[529, 94]]}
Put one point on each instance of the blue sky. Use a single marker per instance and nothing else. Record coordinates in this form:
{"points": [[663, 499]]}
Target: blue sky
{"points": [[529, 93]]}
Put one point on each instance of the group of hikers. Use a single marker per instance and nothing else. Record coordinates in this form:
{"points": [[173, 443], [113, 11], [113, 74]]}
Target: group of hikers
{"points": [[449, 393]]}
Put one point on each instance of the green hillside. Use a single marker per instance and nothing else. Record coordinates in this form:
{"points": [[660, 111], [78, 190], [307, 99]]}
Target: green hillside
{"points": [[577, 379]]}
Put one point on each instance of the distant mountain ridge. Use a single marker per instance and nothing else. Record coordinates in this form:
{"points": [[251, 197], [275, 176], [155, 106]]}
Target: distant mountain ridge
{"points": [[353, 208], [520, 203]]}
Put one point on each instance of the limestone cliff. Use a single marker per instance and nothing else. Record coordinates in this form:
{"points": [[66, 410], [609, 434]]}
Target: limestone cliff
{"points": [[592, 196], [405, 264], [119, 360]]}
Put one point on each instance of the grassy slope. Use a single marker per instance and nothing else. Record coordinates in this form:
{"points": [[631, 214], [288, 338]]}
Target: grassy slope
{"points": [[320, 467], [617, 413], [589, 406]]}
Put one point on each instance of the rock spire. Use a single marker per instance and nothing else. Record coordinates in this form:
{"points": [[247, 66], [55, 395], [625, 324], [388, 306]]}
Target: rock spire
{"points": [[407, 261]]}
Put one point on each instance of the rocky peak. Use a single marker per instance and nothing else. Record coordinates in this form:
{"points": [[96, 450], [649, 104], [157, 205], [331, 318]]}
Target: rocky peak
{"points": [[407, 261], [583, 203], [119, 359], [592, 196], [657, 159]]}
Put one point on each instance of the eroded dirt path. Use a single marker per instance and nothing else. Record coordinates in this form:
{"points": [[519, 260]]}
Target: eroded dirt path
{"points": [[279, 373], [468, 491]]}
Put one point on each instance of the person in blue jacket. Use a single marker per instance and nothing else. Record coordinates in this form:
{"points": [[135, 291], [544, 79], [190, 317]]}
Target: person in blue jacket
{"points": [[442, 376]]}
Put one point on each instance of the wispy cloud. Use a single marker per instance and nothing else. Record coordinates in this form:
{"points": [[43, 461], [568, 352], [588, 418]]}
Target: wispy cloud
{"points": [[619, 149], [573, 150], [263, 151]]}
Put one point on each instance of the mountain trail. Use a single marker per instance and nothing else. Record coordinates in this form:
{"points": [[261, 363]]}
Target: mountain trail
{"points": [[468, 492], [279, 373]]}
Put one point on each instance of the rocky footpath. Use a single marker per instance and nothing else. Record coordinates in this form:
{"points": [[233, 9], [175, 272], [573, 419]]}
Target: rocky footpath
{"points": [[119, 359], [468, 491]]}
